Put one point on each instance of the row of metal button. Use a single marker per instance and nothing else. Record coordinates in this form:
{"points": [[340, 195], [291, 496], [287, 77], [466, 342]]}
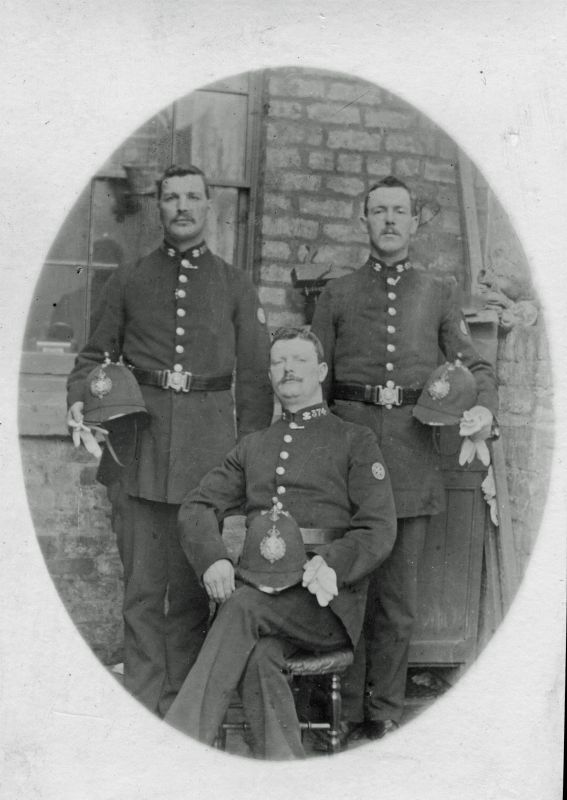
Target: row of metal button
{"points": [[391, 348], [284, 455], [181, 294]]}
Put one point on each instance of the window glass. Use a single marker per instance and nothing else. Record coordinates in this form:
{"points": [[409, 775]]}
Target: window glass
{"points": [[71, 242], [210, 132], [125, 226], [97, 281], [56, 321], [222, 223]]}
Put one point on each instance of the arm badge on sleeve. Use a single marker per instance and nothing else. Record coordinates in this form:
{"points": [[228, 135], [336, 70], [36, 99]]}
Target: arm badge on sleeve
{"points": [[378, 471]]}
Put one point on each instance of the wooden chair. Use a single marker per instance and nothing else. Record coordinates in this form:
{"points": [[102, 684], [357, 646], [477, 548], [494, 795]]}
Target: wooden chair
{"points": [[305, 664], [332, 664]]}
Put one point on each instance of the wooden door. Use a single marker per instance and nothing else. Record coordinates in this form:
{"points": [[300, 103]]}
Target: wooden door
{"points": [[451, 567]]}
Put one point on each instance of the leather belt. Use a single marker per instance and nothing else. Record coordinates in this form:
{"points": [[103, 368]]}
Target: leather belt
{"points": [[314, 536], [376, 395], [181, 381]]}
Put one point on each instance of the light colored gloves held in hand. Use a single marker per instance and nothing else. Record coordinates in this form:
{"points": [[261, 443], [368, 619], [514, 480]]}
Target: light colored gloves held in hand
{"points": [[475, 427], [81, 433], [320, 579]]}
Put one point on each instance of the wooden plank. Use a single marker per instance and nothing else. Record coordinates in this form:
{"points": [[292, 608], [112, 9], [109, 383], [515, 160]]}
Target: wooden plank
{"points": [[42, 406], [508, 563], [491, 611], [470, 220], [450, 576]]}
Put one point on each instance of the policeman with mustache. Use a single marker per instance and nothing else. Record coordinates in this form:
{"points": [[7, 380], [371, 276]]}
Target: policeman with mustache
{"points": [[312, 470], [181, 318], [381, 328]]}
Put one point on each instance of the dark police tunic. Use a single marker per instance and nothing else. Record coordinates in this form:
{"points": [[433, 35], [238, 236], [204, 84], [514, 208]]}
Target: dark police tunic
{"points": [[387, 326], [184, 313], [206, 318], [328, 474], [390, 325]]}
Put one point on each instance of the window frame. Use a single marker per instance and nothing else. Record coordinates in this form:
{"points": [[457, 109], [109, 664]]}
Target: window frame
{"points": [[38, 404]]}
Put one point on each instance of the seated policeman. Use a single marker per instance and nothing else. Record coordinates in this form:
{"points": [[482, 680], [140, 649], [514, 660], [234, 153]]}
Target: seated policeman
{"points": [[308, 469]]}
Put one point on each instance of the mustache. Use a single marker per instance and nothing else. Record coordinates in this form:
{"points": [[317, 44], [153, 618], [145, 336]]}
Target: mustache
{"points": [[288, 377]]}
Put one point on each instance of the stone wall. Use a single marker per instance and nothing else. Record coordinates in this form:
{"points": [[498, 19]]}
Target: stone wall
{"points": [[71, 517], [527, 425]]}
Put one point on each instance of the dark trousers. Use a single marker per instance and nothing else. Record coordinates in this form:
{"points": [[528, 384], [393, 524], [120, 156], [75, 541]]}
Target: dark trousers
{"points": [[165, 609], [374, 688], [245, 649]]}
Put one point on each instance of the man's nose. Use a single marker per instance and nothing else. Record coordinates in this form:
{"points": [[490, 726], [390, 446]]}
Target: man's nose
{"points": [[389, 216], [182, 203]]}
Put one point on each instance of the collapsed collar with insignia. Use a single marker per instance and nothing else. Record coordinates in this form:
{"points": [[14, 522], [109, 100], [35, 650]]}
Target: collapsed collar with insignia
{"points": [[191, 253], [379, 266], [307, 414]]}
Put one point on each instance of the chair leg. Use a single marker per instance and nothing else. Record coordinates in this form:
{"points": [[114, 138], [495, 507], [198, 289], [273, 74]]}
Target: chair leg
{"points": [[335, 744], [220, 741]]}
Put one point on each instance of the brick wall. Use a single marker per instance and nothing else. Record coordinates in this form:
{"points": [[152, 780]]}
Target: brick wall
{"points": [[326, 139]]}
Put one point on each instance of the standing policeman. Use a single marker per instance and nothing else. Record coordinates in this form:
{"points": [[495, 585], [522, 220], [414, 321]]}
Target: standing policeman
{"points": [[381, 329], [181, 318]]}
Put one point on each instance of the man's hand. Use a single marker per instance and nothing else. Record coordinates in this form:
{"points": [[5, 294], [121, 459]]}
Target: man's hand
{"points": [[320, 579], [476, 423], [80, 432], [75, 414], [218, 580]]}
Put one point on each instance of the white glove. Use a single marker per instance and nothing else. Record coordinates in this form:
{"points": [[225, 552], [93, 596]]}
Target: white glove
{"points": [[320, 579], [81, 433], [475, 427], [471, 448]]}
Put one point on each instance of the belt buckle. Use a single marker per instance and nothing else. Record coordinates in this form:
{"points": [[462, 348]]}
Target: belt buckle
{"points": [[178, 381], [389, 395]]}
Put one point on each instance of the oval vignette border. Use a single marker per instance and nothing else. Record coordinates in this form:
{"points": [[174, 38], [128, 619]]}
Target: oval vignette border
{"points": [[75, 689]]}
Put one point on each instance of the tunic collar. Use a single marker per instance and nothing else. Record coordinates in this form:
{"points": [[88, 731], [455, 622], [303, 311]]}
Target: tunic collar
{"points": [[308, 414], [192, 254], [378, 266]]}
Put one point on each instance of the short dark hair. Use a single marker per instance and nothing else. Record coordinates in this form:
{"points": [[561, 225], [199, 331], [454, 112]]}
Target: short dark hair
{"points": [[284, 334], [392, 182], [177, 171]]}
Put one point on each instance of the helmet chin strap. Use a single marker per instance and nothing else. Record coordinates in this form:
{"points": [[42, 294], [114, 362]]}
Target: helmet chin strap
{"points": [[112, 451], [105, 435]]}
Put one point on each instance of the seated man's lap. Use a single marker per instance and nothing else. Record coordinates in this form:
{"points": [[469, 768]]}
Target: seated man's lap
{"points": [[293, 615]]}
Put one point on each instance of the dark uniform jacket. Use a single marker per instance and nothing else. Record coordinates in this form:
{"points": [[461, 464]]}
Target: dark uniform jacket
{"points": [[389, 325], [327, 474], [206, 318]]}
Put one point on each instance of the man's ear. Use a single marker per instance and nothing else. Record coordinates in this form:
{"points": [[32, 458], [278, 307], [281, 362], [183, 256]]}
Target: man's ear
{"points": [[414, 224], [323, 370]]}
